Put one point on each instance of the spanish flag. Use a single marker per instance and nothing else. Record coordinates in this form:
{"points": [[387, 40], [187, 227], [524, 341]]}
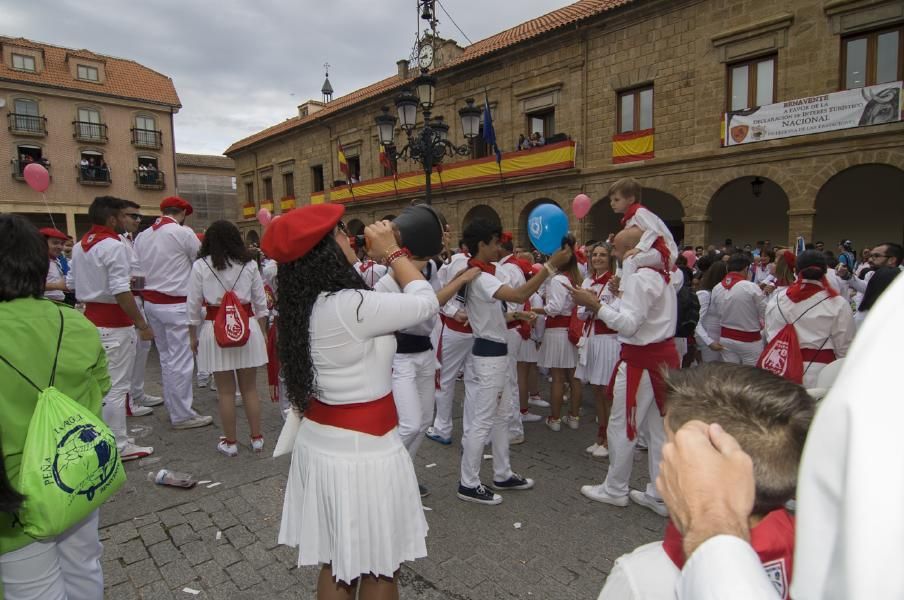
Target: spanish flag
{"points": [[384, 160], [343, 164], [632, 146]]}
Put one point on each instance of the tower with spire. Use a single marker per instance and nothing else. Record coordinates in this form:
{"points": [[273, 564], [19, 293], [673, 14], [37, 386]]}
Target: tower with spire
{"points": [[327, 89]]}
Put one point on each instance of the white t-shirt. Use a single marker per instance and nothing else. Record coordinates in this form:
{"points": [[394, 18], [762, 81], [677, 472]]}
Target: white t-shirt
{"points": [[166, 255], [55, 275], [485, 313], [205, 288], [102, 272], [742, 307], [645, 574]]}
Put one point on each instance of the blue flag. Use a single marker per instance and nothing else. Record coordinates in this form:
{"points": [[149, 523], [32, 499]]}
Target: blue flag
{"points": [[489, 134], [799, 246]]}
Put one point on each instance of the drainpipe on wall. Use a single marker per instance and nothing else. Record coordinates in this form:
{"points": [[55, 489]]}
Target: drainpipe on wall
{"points": [[173, 138]]}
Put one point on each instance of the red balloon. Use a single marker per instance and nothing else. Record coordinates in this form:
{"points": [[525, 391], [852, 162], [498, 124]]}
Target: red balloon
{"points": [[580, 206], [37, 177]]}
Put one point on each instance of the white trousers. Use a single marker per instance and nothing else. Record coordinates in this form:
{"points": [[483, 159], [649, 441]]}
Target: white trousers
{"points": [[119, 346], [621, 449], [414, 389], [486, 415], [516, 427], [741, 353], [142, 348], [170, 325], [66, 567], [681, 347], [456, 357]]}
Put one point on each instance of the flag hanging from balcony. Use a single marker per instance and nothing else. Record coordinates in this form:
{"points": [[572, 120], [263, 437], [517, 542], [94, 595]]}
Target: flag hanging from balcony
{"points": [[632, 146], [343, 163], [384, 160], [489, 133]]}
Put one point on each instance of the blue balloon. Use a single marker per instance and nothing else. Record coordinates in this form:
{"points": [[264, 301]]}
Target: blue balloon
{"points": [[547, 225]]}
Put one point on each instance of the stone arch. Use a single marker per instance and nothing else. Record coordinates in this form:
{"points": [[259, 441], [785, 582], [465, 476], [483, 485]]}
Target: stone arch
{"points": [[736, 213], [821, 176], [521, 235], [355, 226], [862, 203], [481, 211], [701, 201], [253, 238], [602, 220]]}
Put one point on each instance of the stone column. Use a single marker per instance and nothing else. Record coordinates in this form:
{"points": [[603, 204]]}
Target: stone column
{"points": [[70, 224], [696, 229], [800, 222]]}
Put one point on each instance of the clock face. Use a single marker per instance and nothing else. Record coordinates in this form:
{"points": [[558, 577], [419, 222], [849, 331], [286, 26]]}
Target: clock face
{"points": [[425, 56]]}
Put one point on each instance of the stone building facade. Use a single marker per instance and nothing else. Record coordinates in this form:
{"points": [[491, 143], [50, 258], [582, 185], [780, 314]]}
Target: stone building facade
{"points": [[100, 125], [208, 183], [641, 89]]}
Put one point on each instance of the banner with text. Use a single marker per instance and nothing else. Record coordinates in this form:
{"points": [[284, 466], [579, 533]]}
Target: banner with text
{"points": [[861, 107]]}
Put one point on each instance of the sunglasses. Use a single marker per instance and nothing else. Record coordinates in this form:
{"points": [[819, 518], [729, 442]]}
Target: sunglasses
{"points": [[342, 227]]}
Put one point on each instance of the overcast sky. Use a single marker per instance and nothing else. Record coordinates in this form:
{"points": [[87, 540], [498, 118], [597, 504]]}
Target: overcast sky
{"points": [[241, 65]]}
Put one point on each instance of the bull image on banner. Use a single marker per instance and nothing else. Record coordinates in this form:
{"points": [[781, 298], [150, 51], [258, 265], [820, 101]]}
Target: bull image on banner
{"points": [[873, 105]]}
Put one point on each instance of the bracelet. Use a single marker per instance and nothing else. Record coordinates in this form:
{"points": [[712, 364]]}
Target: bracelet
{"points": [[549, 269], [397, 255]]}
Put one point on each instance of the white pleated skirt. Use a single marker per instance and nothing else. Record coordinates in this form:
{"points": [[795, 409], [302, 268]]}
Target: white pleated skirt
{"points": [[213, 358], [556, 352], [602, 355], [352, 501], [527, 351]]}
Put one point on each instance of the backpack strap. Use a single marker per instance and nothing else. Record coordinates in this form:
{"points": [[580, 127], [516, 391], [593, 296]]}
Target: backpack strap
{"points": [[55, 359], [214, 273], [778, 305]]}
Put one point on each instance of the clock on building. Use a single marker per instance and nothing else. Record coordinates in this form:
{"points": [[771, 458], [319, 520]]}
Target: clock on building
{"points": [[425, 56]]}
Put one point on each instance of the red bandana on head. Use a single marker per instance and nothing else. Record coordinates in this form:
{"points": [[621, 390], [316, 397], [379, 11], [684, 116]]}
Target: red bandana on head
{"points": [[732, 279], [802, 288], [96, 234], [161, 221], [486, 268], [630, 212]]}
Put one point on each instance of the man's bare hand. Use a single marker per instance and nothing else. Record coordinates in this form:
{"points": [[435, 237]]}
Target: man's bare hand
{"points": [[706, 480], [585, 297]]}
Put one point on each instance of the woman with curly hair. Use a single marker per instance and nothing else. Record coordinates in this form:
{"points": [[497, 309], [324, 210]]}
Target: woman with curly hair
{"points": [[352, 503], [224, 264]]}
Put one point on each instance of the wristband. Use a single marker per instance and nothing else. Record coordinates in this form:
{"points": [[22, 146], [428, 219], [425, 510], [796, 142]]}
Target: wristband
{"points": [[397, 255]]}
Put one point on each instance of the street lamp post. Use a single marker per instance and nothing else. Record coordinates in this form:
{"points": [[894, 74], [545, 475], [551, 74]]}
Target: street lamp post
{"points": [[430, 144]]}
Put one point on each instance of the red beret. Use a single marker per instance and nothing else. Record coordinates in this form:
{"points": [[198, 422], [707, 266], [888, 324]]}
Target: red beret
{"points": [[294, 234], [177, 202], [50, 232]]}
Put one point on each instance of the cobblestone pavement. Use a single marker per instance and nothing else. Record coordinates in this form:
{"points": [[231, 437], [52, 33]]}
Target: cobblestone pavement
{"points": [[548, 543]]}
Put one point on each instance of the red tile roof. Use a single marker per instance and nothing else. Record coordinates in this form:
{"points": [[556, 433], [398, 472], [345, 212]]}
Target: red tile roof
{"points": [[568, 15], [124, 78]]}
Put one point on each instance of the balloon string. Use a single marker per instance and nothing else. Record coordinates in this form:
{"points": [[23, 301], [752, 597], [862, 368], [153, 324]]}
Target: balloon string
{"points": [[49, 214]]}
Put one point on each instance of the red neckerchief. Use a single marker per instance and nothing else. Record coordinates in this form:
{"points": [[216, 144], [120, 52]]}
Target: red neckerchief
{"points": [[486, 268], [772, 539], [602, 280], [366, 265], [802, 289], [96, 234], [161, 221], [521, 264], [732, 279], [630, 212]]}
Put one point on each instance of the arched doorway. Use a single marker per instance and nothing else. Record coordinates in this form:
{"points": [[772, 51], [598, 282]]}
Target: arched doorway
{"points": [[864, 204], [355, 227], [481, 211], [521, 235], [747, 210], [602, 220], [253, 238]]}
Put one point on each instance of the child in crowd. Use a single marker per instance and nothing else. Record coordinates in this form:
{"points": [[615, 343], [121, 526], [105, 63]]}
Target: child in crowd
{"points": [[657, 247], [769, 416]]}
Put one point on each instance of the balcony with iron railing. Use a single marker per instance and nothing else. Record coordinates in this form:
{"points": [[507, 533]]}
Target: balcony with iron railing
{"points": [[93, 175], [18, 167], [147, 138], [22, 124], [149, 180], [86, 131]]}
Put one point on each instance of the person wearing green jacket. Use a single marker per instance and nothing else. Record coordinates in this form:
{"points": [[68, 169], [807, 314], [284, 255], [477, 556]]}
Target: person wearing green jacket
{"points": [[67, 566]]}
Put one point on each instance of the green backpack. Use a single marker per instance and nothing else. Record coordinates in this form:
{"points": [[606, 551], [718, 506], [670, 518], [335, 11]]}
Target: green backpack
{"points": [[70, 463]]}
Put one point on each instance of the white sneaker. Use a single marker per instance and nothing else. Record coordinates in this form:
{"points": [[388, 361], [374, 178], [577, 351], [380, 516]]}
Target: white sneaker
{"points": [[139, 411], [600, 452], [149, 400], [572, 422], [554, 424], [230, 450], [133, 452], [213, 384], [530, 417], [591, 449], [514, 440], [657, 506], [537, 401], [192, 422], [257, 444], [596, 492]]}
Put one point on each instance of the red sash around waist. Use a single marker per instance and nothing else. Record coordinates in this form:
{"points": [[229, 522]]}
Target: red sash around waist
{"points": [[741, 336], [558, 321], [652, 358], [600, 328], [103, 314], [376, 417], [513, 324], [817, 356], [213, 310], [161, 298], [455, 325]]}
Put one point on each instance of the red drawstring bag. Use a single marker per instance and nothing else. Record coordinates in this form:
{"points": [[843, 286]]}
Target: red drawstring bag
{"points": [[575, 327], [231, 325], [782, 354]]}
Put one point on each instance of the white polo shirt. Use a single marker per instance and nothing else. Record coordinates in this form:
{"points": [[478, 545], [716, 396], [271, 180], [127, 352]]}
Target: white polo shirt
{"points": [[485, 313], [102, 272], [167, 254]]}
